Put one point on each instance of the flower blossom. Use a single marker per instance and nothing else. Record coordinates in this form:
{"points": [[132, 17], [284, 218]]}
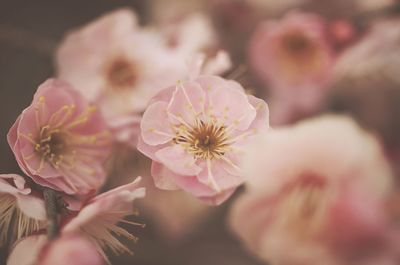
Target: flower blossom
{"points": [[97, 220], [36, 250], [195, 132], [317, 195], [294, 57], [60, 140], [21, 210], [120, 65]]}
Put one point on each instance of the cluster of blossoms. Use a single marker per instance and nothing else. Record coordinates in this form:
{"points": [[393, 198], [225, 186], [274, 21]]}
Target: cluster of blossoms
{"points": [[318, 191], [61, 144]]}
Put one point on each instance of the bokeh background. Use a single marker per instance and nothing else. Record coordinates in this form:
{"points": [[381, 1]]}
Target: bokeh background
{"points": [[30, 32]]}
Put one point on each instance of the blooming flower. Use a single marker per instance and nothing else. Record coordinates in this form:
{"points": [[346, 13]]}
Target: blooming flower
{"points": [[120, 65], [195, 132], [36, 250], [97, 220], [60, 141], [294, 58], [307, 194], [21, 210]]}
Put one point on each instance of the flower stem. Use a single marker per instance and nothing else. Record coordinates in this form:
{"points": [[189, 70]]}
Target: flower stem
{"points": [[52, 210]]}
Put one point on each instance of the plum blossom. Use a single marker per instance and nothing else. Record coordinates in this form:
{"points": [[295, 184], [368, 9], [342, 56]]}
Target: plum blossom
{"points": [[293, 56], [97, 220], [195, 133], [60, 140], [317, 195], [36, 250], [21, 209], [120, 65]]}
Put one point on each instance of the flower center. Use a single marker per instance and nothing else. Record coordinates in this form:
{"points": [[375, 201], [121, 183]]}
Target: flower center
{"points": [[121, 74], [204, 140], [51, 145], [305, 204], [296, 44]]}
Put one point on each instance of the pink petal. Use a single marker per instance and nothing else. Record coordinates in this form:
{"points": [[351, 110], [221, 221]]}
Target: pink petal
{"points": [[163, 177], [218, 199], [176, 159], [26, 252], [187, 103], [155, 126], [234, 109], [19, 183], [32, 206], [70, 250]]}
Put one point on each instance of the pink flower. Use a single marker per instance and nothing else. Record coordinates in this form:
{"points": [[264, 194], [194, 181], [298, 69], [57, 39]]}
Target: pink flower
{"points": [[294, 58], [60, 141], [120, 66], [117, 64], [195, 132], [21, 209], [316, 195], [97, 220], [36, 250]]}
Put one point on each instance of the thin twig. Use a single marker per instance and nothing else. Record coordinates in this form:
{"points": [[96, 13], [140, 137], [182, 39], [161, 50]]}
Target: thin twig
{"points": [[52, 210]]}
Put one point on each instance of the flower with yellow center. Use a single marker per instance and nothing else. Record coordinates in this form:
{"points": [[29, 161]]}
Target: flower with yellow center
{"points": [[61, 141], [195, 133]]}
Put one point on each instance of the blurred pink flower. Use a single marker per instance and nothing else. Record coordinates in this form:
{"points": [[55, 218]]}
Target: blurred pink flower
{"points": [[36, 250], [316, 195], [97, 220], [120, 66], [60, 141], [294, 57], [21, 210], [195, 133]]}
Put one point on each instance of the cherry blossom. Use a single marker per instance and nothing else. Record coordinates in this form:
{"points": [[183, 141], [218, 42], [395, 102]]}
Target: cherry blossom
{"points": [[294, 58], [317, 195], [195, 133], [120, 65], [97, 220], [60, 140]]}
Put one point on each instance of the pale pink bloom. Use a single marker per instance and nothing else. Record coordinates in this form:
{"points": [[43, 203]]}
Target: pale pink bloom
{"points": [[98, 219], [36, 250], [316, 195], [117, 64], [21, 210], [195, 133], [120, 65], [293, 56], [60, 140]]}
